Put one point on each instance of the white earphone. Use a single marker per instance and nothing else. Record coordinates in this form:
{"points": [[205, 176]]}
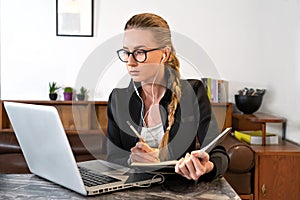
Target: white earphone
{"points": [[136, 90], [163, 57], [138, 94]]}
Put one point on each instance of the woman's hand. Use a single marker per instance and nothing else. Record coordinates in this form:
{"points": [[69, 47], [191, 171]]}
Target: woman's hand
{"points": [[142, 152], [194, 165]]}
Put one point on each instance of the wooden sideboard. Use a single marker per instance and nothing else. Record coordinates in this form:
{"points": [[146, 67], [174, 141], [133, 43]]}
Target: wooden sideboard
{"points": [[277, 171], [277, 167], [91, 116]]}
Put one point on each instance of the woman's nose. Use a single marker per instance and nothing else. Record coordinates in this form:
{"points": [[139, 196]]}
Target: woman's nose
{"points": [[131, 61]]}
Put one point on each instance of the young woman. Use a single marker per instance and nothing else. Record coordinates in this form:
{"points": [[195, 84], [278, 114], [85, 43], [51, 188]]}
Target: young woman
{"points": [[169, 113]]}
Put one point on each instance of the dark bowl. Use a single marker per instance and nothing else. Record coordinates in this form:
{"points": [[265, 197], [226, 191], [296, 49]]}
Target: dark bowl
{"points": [[248, 104]]}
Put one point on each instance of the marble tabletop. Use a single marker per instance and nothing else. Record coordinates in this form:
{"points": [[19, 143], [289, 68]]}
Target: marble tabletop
{"points": [[28, 186]]}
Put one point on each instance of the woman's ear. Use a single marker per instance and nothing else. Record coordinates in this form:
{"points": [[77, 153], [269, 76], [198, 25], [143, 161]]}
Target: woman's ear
{"points": [[163, 58], [165, 55]]}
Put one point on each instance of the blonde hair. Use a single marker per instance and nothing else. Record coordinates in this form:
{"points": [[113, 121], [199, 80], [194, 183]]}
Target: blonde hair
{"points": [[162, 35]]}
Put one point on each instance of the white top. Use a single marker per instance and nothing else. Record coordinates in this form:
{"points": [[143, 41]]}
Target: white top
{"points": [[153, 135]]}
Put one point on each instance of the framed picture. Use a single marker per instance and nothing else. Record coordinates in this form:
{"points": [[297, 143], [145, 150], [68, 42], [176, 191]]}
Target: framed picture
{"points": [[74, 18]]}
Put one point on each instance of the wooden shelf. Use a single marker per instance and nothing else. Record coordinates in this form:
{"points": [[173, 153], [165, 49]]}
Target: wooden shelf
{"points": [[76, 116], [91, 116], [257, 121], [223, 112], [7, 130]]}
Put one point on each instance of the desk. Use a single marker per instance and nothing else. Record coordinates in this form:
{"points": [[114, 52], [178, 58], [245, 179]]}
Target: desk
{"points": [[257, 121], [28, 186]]}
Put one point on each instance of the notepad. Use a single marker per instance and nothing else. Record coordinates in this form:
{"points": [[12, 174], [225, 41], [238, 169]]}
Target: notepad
{"points": [[154, 164], [217, 140]]}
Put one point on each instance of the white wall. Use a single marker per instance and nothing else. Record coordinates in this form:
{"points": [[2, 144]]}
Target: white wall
{"points": [[253, 43]]}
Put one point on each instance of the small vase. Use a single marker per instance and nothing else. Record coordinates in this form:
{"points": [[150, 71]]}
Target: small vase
{"points": [[80, 97], [68, 96], [53, 96]]}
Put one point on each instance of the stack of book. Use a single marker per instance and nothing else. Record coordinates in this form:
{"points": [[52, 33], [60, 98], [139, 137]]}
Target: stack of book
{"points": [[217, 90], [255, 137]]}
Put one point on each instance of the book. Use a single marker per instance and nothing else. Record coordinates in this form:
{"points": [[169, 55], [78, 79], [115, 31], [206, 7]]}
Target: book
{"points": [[217, 140], [217, 89], [207, 85], [255, 137], [214, 91], [222, 91]]}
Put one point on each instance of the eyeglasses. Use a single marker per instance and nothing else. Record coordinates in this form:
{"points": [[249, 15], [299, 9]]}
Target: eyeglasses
{"points": [[139, 55]]}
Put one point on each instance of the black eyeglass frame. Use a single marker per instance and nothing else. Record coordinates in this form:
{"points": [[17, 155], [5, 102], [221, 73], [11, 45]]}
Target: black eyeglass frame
{"points": [[132, 53]]}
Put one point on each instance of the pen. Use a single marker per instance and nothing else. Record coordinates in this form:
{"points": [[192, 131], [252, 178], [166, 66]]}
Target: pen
{"points": [[135, 131]]}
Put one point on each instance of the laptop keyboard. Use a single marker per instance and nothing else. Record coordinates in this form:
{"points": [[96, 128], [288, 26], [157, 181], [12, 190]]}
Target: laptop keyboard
{"points": [[92, 179]]}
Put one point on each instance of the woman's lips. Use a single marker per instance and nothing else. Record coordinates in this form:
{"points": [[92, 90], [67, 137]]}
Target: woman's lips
{"points": [[134, 73]]}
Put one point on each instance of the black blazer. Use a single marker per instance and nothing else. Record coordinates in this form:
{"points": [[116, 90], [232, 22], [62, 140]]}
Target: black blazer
{"points": [[193, 119]]}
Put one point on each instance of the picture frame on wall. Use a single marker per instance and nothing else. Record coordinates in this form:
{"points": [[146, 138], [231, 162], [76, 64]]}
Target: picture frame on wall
{"points": [[74, 18]]}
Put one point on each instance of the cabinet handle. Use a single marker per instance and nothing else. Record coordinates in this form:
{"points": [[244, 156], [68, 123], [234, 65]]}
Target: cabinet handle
{"points": [[263, 189]]}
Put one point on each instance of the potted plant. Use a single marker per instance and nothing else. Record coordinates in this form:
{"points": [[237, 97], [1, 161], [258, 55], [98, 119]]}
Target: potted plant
{"points": [[68, 93], [82, 94], [53, 91]]}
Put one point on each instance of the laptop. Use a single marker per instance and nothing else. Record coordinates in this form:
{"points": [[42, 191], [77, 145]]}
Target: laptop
{"points": [[48, 154]]}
